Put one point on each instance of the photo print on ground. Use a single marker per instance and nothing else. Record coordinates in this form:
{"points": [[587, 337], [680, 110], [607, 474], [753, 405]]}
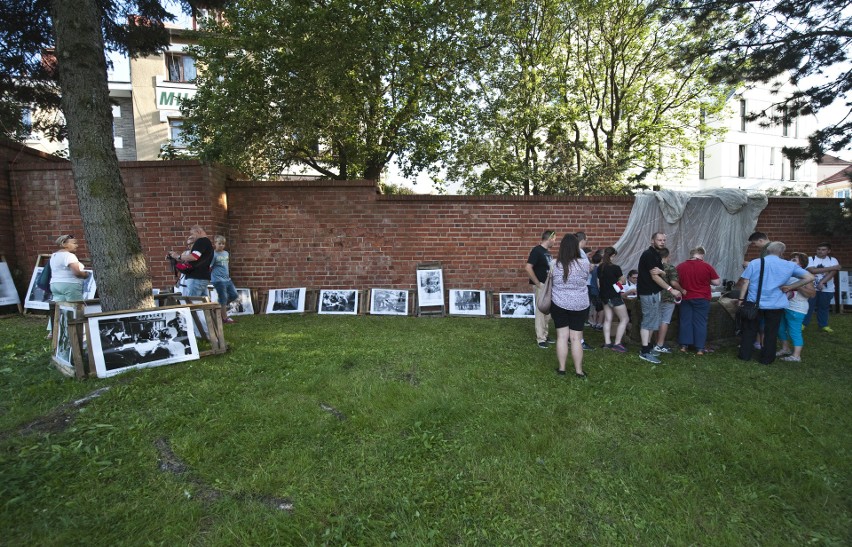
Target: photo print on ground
{"points": [[8, 292], [430, 288], [339, 302], [286, 301], [467, 302], [241, 306], [389, 302], [517, 305]]}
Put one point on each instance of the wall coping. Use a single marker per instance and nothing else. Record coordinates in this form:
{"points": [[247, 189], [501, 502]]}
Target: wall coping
{"points": [[299, 183]]}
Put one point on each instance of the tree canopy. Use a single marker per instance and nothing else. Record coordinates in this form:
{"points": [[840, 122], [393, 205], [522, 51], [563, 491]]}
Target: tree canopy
{"points": [[336, 86], [799, 39]]}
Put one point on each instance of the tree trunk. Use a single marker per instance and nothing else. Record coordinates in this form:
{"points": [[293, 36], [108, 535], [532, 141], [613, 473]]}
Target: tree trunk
{"points": [[117, 259]]}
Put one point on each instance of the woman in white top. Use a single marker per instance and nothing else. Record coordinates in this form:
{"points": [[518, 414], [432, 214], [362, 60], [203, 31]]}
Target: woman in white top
{"points": [[790, 329], [66, 271], [570, 302]]}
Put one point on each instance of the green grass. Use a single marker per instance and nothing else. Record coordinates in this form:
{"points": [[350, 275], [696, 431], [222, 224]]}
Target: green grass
{"points": [[453, 431]]}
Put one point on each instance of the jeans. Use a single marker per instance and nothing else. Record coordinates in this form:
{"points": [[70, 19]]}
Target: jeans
{"points": [[195, 287], [772, 320], [542, 320], [693, 322], [821, 302]]}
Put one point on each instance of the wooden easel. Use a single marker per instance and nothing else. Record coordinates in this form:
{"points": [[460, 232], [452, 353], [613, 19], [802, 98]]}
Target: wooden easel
{"points": [[19, 303]]}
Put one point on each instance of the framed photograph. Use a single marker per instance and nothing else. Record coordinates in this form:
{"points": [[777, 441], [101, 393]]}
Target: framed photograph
{"points": [[8, 292], [286, 301], [241, 306], [142, 339], [37, 299], [62, 353], [517, 305], [340, 302], [467, 302], [388, 302], [430, 288]]}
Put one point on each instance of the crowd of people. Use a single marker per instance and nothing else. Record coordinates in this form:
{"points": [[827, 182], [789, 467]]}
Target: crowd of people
{"points": [[590, 290]]}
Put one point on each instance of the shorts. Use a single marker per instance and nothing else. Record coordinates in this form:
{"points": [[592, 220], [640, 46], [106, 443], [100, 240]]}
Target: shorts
{"points": [[651, 315], [615, 301], [596, 302], [225, 291], [666, 311], [574, 320]]}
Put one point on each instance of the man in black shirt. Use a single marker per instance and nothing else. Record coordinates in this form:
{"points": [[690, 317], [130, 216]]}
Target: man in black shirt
{"points": [[650, 283], [537, 268]]}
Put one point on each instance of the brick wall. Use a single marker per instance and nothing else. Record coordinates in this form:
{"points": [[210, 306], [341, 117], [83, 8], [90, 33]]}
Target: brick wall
{"points": [[338, 234]]}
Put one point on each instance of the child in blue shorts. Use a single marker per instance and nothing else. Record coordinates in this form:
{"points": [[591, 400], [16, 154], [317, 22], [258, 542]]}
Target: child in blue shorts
{"points": [[220, 276]]}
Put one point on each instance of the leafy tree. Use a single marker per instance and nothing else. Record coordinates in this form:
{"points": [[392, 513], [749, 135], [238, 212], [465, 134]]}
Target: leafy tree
{"points": [[585, 99], [80, 32], [795, 38], [340, 87]]}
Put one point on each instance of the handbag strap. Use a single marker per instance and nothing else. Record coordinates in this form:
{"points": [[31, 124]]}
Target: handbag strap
{"points": [[760, 282]]}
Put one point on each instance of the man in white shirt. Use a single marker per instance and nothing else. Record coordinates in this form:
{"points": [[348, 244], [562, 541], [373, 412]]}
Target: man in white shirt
{"points": [[824, 268]]}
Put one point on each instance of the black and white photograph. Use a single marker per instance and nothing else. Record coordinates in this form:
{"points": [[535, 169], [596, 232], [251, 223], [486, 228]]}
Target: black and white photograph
{"points": [[37, 299], [126, 341], [62, 353], [8, 292], [467, 302], [240, 306], [286, 301], [340, 302], [430, 288], [90, 287], [517, 305], [389, 302]]}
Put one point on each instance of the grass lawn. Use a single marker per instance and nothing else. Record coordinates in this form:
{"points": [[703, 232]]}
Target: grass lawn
{"points": [[380, 430]]}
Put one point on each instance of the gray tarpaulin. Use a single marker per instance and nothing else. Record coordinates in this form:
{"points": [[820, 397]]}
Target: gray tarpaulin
{"points": [[719, 220]]}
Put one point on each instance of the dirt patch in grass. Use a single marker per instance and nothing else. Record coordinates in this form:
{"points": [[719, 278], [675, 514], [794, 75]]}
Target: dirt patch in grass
{"points": [[57, 420], [330, 409]]}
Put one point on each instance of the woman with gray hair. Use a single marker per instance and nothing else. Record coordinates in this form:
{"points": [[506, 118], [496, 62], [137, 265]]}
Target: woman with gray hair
{"points": [[696, 277], [66, 271]]}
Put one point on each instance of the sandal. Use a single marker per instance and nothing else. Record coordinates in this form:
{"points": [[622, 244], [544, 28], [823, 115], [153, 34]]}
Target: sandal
{"points": [[683, 349]]}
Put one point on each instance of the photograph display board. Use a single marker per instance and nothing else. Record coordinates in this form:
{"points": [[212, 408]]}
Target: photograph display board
{"points": [[8, 292], [241, 306], [126, 341], [517, 305], [430, 288], [62, 352], [340, 302], [467, 302], [37, 299], [286, 301], [844, 281], [90, 286], [388, 302]]}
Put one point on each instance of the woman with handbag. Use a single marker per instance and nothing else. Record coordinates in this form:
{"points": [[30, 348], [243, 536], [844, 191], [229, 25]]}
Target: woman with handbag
{"points": [[790, 330], [570, 302]]}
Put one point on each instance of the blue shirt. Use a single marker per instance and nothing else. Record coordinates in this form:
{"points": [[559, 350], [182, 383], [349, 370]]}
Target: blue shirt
{"points": [[776, 273], [220, 270]]}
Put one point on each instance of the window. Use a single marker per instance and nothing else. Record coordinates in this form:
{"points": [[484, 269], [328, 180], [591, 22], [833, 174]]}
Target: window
{"points": [[742, 115], [741, 163], [701, 163], [785, 121], [772, 156], [176, 133], [181, 68], [792, 170], [846, 194]]}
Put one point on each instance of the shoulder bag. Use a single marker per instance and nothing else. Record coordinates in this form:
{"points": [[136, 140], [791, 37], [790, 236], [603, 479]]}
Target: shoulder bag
{"points": [[543, 303], [748, 309], [43, 279]]}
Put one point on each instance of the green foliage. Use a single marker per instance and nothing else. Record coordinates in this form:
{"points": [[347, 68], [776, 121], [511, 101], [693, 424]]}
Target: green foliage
{"points": [[778, 38], [584, 98], [339, 87], [450, 431], [831, 220], [390, 189], [787, 191]]}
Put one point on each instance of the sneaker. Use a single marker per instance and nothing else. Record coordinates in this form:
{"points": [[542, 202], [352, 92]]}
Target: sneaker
{"points": [[650, 357], [597, 327], [662, 349], [619, 348], [228, 320], [792, 358], [827, 329], [804, 327], [543, 345], [606, 346], [654, 352], [783, 353], [550, 341], [587, 347], [757, 345]]}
